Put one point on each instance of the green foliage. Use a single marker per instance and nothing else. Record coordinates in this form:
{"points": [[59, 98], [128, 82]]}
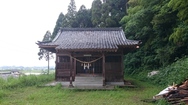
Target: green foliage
{"points": [[180, 35], [162, 30], [182, 7], [105, 13], [59, 24], [83, 17], [71, 14], [96, 14], [47, 55], [112, 11], [108, 13], [2, 94], [47, 36], [176, 72], [42, 52]]}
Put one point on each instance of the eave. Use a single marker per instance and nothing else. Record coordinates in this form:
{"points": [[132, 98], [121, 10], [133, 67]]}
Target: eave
{"points": [[50, 48]]}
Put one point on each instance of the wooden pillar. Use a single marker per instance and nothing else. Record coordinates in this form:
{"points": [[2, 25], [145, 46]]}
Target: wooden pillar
{"points": [[74, 69], [56, 63], [122, 65], [103, 68], [71, 78]]}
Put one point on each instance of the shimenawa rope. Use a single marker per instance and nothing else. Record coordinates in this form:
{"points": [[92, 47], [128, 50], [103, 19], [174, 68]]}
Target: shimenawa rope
{"points": [[85, 61]]}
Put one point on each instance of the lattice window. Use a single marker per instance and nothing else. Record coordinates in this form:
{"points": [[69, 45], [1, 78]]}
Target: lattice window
{"points": [[64, 59]]}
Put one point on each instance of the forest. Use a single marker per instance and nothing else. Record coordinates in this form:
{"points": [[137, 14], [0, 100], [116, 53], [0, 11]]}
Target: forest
{"points": [[161, 26]]}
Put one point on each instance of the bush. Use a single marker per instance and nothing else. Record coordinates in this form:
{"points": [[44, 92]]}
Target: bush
{"points": [[176, 72]]}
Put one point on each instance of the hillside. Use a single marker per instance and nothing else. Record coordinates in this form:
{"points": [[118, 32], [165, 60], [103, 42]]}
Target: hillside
{"points": [[174, 73], [162, 26]]}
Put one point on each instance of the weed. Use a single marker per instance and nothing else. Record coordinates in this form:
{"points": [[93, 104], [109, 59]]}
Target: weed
{"points": [[162, 102]]}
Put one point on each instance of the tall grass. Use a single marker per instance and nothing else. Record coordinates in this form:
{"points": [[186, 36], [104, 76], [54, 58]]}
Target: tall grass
{"points": [[24, 81]]}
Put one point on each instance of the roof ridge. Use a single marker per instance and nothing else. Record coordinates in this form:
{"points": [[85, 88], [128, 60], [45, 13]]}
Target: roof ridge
{"points": [[92, 29]]}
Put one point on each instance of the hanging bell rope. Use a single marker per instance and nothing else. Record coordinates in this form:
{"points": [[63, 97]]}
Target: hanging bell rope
{"points": [[85, 61]]}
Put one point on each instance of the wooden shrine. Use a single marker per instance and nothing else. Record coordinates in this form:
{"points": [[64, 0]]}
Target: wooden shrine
{"points": [[90, 51]]}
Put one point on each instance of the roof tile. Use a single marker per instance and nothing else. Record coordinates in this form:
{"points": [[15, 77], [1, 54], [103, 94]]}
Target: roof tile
{"points": [[91, 38]]}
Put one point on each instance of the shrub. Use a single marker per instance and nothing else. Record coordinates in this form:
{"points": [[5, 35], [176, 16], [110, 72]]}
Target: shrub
{"points": [[176, 72]]}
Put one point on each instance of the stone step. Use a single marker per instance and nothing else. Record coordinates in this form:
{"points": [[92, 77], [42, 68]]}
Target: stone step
{"points": [[88, 81]]}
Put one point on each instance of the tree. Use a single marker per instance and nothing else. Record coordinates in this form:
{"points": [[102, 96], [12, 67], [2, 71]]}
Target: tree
{"points": [[71, 15], [44, 53], [83, 17], [151, 22], [58, 25], [96, 13], [108, 13], [162, 26], [180, 32], [47, 36], [112, 12]]}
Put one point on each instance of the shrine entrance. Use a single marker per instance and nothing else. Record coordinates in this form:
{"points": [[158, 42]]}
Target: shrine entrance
{"points": [[88, 65]]}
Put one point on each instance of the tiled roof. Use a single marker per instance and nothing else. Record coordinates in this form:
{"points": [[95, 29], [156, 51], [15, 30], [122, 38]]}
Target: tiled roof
{"points": [[90, 39]]}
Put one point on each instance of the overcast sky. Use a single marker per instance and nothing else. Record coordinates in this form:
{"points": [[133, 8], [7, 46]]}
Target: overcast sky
{"points": [[24, 22]]}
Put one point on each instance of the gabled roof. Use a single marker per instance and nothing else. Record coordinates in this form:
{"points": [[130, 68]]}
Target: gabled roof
{"points": [[103, 39]]}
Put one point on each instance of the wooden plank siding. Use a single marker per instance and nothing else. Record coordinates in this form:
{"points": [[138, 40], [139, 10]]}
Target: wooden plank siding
{"points": [[113, 69], [63, 69]]}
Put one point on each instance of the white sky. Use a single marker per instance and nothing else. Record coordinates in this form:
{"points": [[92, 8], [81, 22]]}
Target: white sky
{"points": [[24, 22]]}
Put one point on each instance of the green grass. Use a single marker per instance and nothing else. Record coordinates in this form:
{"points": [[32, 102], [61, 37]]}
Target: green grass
{"points": [[37, 71], [31, 71], [25, 81], [39, 95]]}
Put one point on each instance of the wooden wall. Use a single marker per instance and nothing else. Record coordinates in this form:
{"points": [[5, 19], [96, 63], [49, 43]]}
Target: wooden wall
{"points": [[113, 69], [63, 68]]}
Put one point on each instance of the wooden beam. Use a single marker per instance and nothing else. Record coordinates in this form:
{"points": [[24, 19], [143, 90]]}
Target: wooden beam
{"points": [[63, 54], [71, 78], [103, 68]]}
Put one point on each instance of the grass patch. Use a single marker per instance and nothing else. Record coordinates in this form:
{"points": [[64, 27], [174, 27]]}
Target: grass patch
{"points": [[37, 71], [24, 81], [34, 95]]}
